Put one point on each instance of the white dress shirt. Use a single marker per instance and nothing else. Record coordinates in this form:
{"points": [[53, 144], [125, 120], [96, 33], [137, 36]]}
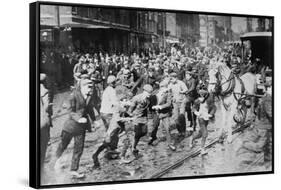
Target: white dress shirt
{"points": [[109, 101]]}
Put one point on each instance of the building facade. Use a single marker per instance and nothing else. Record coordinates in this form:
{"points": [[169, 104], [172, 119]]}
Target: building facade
{"points": [[258, 24], [101, 29], [215, 30], [86, 28], [188, 28]]}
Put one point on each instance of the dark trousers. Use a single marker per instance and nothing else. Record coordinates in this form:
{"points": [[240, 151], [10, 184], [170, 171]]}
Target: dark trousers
{"points": [[178, 117], [77, 149], [163, 122], [140, 131], [203, 132], [44, 139], [190, 115], [110, 143], [181, 124], [155, 126]]}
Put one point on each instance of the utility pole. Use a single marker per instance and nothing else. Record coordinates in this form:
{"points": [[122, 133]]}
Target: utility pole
{"points": [[58, 15], [58, 24], [137, 33], [164, 29], [207, 33]]}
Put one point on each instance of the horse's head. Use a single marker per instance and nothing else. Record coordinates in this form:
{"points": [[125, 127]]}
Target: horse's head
{"points": [[213, 79]]}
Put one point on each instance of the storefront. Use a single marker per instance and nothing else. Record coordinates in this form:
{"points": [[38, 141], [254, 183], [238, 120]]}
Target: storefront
{"points": [[100, 40]]}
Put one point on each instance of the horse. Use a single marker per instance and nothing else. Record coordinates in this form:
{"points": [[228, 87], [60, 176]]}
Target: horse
{"points": [[230, 89]]}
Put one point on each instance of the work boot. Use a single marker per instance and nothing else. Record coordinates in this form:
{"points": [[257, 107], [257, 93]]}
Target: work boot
{"points": [[125, 160], [203, 151], [112, 154], [76, 174], [151, 140], [96, 161], [221, 139], [172, 147]]}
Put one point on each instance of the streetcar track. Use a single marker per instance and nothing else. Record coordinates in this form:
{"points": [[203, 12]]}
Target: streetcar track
{"points": [[162, 171], [178, 163], [254, 163]]}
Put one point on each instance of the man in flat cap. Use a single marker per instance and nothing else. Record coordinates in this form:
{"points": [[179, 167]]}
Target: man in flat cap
{"points": [[139, 110], [164, 112], [109, 101], [179, 89], [191, 94], [125, 77], [45, 118], [76, 125], [79, 69]]}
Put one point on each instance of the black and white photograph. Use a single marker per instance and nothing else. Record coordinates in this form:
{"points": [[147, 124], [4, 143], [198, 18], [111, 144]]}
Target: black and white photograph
{"points": [[137, 94]]}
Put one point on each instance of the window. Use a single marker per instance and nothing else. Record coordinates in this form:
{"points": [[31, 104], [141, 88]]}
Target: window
{"points": [[74, 10]]}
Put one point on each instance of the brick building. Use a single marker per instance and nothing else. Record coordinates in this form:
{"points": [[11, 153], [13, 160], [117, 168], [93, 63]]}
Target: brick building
{"points": [[100, 29]]}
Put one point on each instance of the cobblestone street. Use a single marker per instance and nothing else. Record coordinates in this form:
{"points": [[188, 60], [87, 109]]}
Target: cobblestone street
{"points": [[220, 159]]}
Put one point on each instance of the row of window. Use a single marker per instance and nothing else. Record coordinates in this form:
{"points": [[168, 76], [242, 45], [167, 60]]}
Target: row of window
{"points": [[110, 15], [141, 20]]}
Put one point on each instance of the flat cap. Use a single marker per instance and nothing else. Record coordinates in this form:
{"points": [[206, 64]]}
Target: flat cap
{"points": [[148, 88], [42, 76], [173, 74], [111, 79], [164, 83]]}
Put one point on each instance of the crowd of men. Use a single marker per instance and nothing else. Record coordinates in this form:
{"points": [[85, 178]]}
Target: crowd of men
{"points": [[146, 92]]}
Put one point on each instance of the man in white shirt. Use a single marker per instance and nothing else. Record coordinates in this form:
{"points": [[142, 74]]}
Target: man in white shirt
{"points": [[109, 101], [178, 89]]}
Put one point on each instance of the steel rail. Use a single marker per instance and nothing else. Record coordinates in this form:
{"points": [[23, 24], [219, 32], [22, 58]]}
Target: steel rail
{"points": [[194, 153], [178, 163]]}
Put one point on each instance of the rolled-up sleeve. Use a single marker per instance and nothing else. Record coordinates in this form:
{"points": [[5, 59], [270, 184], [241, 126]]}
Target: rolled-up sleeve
{"points": [[183, 87]]}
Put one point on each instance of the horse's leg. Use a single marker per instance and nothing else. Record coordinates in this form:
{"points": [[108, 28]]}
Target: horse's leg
{"points": [[222, 123], [229, 127], [252, 109], [230, 121], [249, 81]]}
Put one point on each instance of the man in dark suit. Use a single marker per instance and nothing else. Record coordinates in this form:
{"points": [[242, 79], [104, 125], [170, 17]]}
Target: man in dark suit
{"points": [[105, 70], [164, 112], [191, 94], [112, 70], [45, 118], [76, 125]]}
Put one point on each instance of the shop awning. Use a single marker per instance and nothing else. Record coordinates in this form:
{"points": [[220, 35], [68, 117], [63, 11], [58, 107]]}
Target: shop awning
{"points": [[172, 41], [250, 35], [82, 25]]}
